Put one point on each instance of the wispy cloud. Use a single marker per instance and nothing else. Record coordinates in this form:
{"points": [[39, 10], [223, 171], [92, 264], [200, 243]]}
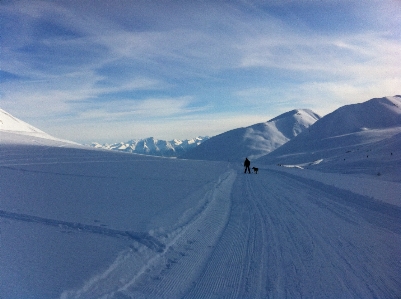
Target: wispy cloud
{"points": [[145, 60], [129, 110]]}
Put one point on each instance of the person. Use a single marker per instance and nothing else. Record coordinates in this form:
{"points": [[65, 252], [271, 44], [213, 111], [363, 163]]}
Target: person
{"points": [[247, 163]]}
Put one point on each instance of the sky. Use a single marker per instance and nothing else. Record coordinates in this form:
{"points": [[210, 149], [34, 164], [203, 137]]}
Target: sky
{"points": [[111, 71]]}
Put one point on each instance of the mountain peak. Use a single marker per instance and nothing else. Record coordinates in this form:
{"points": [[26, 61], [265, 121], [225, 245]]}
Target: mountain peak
{"points": [[13, 124], [377, 113], [153, 146], [256, 140], [296, 112], [350, 129]]}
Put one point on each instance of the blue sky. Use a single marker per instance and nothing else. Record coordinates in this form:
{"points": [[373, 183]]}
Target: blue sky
{"points": [[108, 71]]}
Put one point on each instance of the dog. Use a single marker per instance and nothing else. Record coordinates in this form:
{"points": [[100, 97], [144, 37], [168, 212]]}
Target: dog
{"points": [[255, 170]]}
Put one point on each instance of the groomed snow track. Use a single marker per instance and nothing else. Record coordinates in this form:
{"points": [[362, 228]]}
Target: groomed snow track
{"points": [[271, 235], [288, 237]]}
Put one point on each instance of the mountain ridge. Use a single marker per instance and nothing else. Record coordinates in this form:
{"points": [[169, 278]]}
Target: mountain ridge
{"points": [[256, 140], [153, 146], [352, 139]]}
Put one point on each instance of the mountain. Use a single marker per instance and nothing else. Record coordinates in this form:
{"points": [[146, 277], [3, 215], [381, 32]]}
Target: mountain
{"points": [[154, 147], [16, 131], [12, 124], [76, 222], [256, 140], [350, 139]]}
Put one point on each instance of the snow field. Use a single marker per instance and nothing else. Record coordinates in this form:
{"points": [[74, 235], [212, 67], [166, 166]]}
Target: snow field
{"points": [[73, 192], [81, 223], [143, 273], [129, 226]]}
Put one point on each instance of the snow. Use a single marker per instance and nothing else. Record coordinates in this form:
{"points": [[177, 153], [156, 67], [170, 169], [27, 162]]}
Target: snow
{"points": [[343, 144], [154, 147], [11, 124], [385, 191], [254, 141], [80, 222]]}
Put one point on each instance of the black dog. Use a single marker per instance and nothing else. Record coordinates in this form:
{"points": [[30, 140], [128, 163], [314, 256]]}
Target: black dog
{"points": [[255, 170]]}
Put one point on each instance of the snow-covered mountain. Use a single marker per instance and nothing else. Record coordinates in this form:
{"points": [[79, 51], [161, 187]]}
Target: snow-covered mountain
{"points": [[13, 124], [12, 128], [256, 140], [76, 222], [154, 147], [363, 137]]}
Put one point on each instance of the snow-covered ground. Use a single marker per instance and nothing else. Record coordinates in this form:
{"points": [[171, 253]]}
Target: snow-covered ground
{"points": [[78, 222], [84, 223]]}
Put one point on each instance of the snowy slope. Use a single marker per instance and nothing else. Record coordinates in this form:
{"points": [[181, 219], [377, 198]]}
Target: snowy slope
{"points": [[359, 138], [154, 147], [256, 140], [10, 124], [79, 222]]}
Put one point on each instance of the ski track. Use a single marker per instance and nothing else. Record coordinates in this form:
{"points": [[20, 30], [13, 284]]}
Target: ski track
{"points": [[139, 272], [290, 238], [140, 237], [271, 235]]}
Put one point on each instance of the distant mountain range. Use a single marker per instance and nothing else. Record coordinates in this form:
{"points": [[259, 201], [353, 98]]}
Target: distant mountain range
{"points": [[350, 139], [154, 147], [253, 141]]}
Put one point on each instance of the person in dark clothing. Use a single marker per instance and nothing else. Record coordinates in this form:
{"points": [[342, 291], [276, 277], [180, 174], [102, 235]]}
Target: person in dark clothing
{"points": [[247, 163]]}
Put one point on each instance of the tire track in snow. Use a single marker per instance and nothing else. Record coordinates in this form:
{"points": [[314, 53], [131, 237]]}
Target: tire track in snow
{"points": [[140, 237]]}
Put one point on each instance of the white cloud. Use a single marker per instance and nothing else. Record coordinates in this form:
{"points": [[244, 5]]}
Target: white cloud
{"points": [[134, 110], [68, 79], [348, 55], [181, 127]]}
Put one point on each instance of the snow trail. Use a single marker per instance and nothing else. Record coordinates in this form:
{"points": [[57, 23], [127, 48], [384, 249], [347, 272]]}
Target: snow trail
{"points": [[292, 238], [143, 273], [140, 237], [208, 231], [271, 235]]}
